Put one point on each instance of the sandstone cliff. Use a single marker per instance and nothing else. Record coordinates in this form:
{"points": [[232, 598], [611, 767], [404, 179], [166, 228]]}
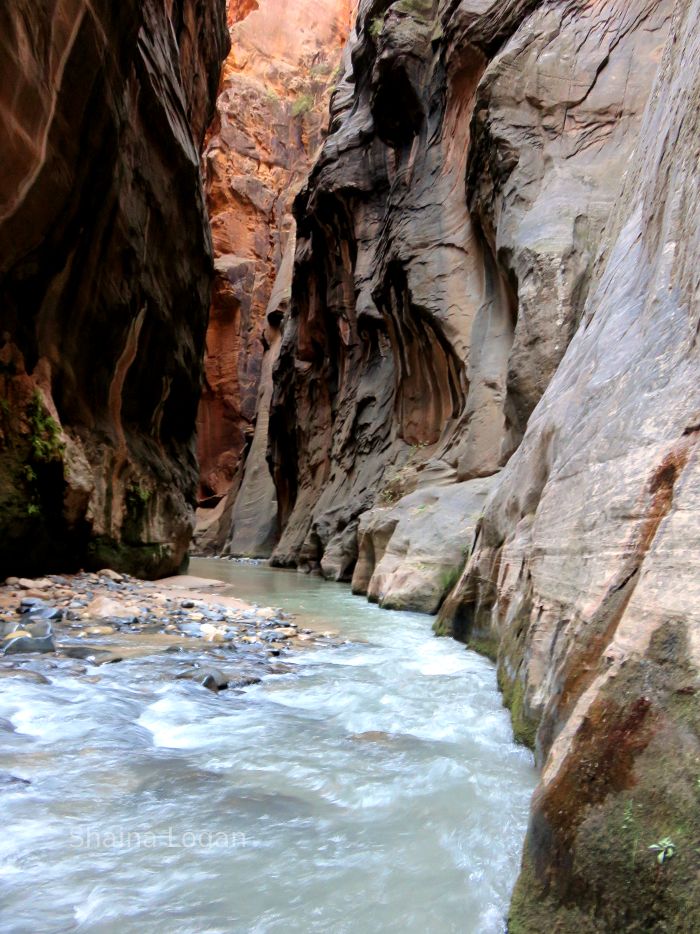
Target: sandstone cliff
{"points": [[428, 315], [487, 389], [585, 579], [271, 112], [105, 265]]}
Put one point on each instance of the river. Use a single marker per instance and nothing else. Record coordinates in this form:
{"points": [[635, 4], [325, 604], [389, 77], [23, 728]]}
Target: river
{"points": [[375, 787]]}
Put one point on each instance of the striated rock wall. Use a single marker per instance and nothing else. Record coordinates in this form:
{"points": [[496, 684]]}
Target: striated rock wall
{"points": [[488, 371], [585, 579], [271, 112], [475, 153], [105, 266]]}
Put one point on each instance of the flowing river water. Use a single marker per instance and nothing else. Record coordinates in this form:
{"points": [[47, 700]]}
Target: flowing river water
{"points": [[376, 787]]}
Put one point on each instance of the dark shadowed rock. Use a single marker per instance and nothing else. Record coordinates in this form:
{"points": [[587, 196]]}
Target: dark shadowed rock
{"points": [[210, 678], [105, 265], [12, 781]]}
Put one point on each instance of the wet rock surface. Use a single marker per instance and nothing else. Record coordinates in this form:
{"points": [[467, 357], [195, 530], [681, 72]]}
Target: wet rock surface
{"points": [[186, 626]]}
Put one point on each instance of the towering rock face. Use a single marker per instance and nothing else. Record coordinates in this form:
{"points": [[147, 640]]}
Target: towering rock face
{"points": [[585, 577], [105, 268], [271, 112], [488, 371], [446, 240]]}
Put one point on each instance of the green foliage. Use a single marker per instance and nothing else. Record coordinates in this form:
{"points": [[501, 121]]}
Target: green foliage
{"points": [[524, 728], [320, 69], [449, 577], [33, 510], [44, 434], [424, 7], [302, 105], [138, 495], [376, 26], [665, 849]]}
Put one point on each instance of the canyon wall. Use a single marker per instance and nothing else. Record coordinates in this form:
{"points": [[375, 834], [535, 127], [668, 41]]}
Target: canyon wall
{"points": [[445, 245], [272, 110], [105, 271], [585, 576], [486, 399]]}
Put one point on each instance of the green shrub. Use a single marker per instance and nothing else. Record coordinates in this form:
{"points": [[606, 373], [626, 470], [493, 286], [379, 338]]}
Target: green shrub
{"points": [[302, 105], [449, 577], [44, 434], [376, 26]]}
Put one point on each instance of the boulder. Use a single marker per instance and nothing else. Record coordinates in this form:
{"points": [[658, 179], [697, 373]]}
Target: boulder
{"points": [[412, 554], [27, 644]]}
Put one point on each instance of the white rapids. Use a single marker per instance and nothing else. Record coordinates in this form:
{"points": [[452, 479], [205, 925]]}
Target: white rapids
{"points": [[375, 787]]}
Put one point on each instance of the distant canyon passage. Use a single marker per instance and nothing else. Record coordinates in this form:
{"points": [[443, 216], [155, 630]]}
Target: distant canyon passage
{"points": [[272, 110]]}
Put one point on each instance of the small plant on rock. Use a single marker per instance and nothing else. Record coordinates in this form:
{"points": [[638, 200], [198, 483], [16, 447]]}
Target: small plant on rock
{"points": [[302, 105], [138, 495], [665, 849], [449, 577], [45, 433], [376, 26]]}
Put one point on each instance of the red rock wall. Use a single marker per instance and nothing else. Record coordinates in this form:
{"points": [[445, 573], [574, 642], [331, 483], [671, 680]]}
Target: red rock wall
{"points": [[271, 114], [105, 264]]}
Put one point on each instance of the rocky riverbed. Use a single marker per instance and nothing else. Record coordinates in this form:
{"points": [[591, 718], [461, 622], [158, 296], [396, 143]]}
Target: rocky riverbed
{"points": [[75, 624]]}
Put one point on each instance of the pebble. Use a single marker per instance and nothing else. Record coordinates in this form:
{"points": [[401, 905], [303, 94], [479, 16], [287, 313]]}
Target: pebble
{"points": [[212, 633], [28, 603], [27, 584], [44, 612]]}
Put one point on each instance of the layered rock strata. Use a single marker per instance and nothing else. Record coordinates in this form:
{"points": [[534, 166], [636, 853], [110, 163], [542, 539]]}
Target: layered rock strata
{"points": [[445, 246], [105, 265], [272, 110], [496, 282], [585, 579]]}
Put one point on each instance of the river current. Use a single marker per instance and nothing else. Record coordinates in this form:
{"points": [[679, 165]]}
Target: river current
{"points": [[375, 787]]}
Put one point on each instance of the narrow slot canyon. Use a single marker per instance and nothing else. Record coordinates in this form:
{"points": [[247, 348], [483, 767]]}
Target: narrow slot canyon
{"points": [[349, 484]]}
